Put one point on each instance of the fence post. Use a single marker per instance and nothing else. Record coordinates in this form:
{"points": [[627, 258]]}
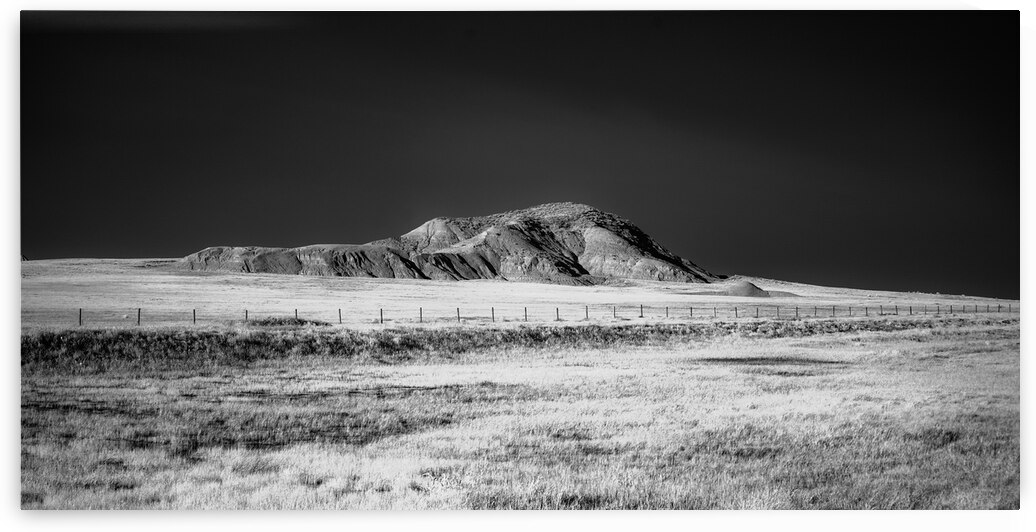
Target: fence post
{"points": [[778, 312], [246, 314], [420, 314], [557, 314], [713, 312], [667, 312], [897, 310], [814, 311], [910, 310], [850, 311], [614, 315], [881, 310], [642, 311], [492, 314], [381, 315], [735, 312], [692, 312], [80, 317], [194, 316], [339, 316], [587, 308], [526, 313], [296, 313], [796, 312], [138, 316], [757, 311], [997, 309], [458, 314], [865, 311]]}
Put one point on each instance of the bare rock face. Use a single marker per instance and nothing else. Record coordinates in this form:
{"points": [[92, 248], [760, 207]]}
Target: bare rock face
{"points": [[352, 261], [564, 243]]}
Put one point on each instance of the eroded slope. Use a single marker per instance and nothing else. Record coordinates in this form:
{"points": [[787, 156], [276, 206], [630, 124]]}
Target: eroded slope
{"points": [[565, 243]]}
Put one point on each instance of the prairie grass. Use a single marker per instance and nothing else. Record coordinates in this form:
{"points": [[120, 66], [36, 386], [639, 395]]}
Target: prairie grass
{"points": [[109, 292], [285, 322], [876, 414], [272, 339]]}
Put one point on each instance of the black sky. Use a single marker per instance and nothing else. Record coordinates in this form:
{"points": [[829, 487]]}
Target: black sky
{"points": [[863, 149]]}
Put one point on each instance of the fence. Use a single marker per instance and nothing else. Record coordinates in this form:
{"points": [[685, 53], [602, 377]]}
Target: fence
{"points": [[493, 314]]}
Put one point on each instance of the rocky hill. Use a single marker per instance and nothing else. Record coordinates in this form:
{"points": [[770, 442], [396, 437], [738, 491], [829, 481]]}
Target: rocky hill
{"points": [[565, 243]]}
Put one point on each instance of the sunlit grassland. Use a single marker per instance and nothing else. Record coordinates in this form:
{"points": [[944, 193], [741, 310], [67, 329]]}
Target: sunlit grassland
{"points": [[810, 416], [110, 292]]}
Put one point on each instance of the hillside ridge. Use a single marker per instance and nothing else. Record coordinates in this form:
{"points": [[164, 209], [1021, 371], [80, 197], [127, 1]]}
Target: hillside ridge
{"points": [[563, 243]]}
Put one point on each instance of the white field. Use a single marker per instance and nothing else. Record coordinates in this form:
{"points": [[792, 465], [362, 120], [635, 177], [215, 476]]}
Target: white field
{"points": [[913, 419], [924, 417], [111, 290]]}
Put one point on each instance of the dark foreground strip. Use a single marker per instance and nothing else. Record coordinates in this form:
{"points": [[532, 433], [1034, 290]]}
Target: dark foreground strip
{"points": [[94, 351]]}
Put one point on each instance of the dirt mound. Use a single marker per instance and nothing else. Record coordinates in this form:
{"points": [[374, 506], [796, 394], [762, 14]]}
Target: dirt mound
{"points": [[746, 289], [564, 243]]}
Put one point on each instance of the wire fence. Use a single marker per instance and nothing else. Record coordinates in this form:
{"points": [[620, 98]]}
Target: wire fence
{"points": [[100, 317]]}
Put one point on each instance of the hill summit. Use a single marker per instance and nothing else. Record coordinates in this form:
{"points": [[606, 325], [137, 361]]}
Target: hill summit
{"points": [[565, 243]]}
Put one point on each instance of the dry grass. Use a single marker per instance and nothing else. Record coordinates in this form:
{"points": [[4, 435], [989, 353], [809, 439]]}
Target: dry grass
{"points": [[110, 291], [80, 351], [916, 417]]}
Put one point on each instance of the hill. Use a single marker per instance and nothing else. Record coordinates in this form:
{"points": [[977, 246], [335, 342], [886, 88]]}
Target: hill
{"points": [[563, 243], [746, 289]]}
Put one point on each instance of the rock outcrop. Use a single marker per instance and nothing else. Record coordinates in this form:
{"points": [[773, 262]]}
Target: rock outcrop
{"points": [[565, 243]]}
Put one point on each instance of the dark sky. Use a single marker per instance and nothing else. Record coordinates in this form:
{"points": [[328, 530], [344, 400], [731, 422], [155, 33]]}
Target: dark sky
{"points": [[863, 149]]}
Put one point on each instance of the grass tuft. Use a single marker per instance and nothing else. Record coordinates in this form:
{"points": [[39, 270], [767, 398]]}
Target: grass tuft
{"points": [[286, 322]]}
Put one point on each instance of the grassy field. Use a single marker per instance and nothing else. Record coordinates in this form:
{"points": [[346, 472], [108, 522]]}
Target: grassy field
{"points": [[894, 412], [111, 291], [490, 411]]}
